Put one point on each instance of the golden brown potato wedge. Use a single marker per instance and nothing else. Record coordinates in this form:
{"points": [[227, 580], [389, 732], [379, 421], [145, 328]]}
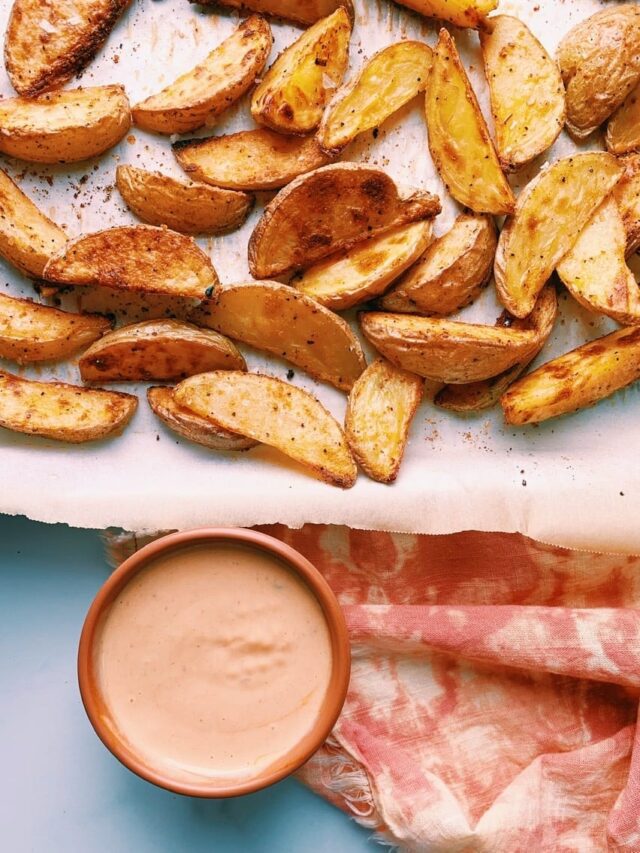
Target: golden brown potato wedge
{"points": [[462, 13], [294, 92], [277, 319], [526, 90], [188, 208], [136, 257], [27, 237], [389, 80], [64, 412], [199, 96], [365, 271], [459, 141], [623, 128], [191, 426], [298, 11], [330, 209], [551, 212], [452, 271], [64, 127], [250, 160], [48, 42], [600, 64], [627, 195], [575, 380], [381, 407], [159, 350], [133, 306]]}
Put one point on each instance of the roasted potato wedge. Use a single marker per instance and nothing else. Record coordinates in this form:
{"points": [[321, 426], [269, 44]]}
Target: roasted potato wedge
{"points": [[64, 412], [298, 11], [381, 407], [600, 64], [330, 209], [136, 257], [575, 380], [27, 237], [277, 319], [551, 212], [459, 141], [294, 92], [365, 271], [389, 80], [188, 208], [47, 43], [526, 91], [191, 426], [133, 306], [623, 128], [627, 195], [250, 160], [273, 412], [452, 271], [159, 350], [202, 94], [462, 13]]}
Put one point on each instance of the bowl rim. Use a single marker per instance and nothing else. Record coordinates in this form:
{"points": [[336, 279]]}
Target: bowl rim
{"points": [[97, 711]]}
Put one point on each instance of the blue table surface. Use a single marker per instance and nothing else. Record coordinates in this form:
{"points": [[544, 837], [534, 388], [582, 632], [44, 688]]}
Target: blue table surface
{"points": [[61, 789]]}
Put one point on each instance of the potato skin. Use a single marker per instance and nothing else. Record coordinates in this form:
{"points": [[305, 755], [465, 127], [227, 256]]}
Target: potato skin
{"points": [[302, 12]]}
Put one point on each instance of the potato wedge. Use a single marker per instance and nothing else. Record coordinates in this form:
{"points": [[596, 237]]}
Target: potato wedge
{"points": [[191, 426], [47, 43], [390, 79], [462, 13], [64, 412], [526, 91], [459, 141], [28, 238], [365, 271], [202, 94], [627, 195], [250, 160], [136, 257], [189, 208], [328, 210], [551, 212], [277, 319], [294, 92], [452, 271], [298, 11], [273, 412], [575, 380], [381, 407], [623, 128], [158, 350], [600, 64], [64, 127]]}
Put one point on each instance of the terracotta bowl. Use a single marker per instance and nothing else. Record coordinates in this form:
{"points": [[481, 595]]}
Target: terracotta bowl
{"points": [[125, 751]]}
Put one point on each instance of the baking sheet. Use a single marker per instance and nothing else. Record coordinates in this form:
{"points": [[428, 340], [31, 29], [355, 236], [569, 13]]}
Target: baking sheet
{"points": [[574, 481]]}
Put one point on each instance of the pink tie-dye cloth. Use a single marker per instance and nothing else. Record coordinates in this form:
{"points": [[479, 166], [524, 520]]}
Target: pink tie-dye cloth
{"points": [[494, 692]]}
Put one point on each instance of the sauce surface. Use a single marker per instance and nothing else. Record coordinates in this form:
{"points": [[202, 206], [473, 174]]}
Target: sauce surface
{"points": [[214, 661]]}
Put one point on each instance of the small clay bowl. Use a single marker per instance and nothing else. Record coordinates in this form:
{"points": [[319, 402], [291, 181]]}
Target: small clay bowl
{"points": [[125, 752]]}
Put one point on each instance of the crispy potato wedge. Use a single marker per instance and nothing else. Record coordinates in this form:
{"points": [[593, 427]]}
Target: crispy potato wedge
{"points": [[623, 128], [381, 407], [133, 306], [600, 64], [159, 350], [298, 11], [273, 412], [389, 80], [294, 92], [462, 13], [28, 238], [452, 271], [278, 319], [330, 209], [551, 212], [627, 195], [250, 160], [64, 127], [526, 91], [64, 412], [191, 426], [189, 208], [365, 271], [135, 257], [202, 94], [459, 141], [47, 43], [575, 380]]}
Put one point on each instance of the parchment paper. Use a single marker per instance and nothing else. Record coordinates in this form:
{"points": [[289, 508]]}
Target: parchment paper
{"points": [[574, 481]]}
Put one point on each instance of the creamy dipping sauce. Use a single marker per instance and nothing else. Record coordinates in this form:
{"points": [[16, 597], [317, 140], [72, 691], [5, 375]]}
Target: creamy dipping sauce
{"points": [[214, 661]]}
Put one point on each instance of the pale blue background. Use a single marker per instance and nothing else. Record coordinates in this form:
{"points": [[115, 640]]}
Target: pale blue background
{"points": [[62, 792]]}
